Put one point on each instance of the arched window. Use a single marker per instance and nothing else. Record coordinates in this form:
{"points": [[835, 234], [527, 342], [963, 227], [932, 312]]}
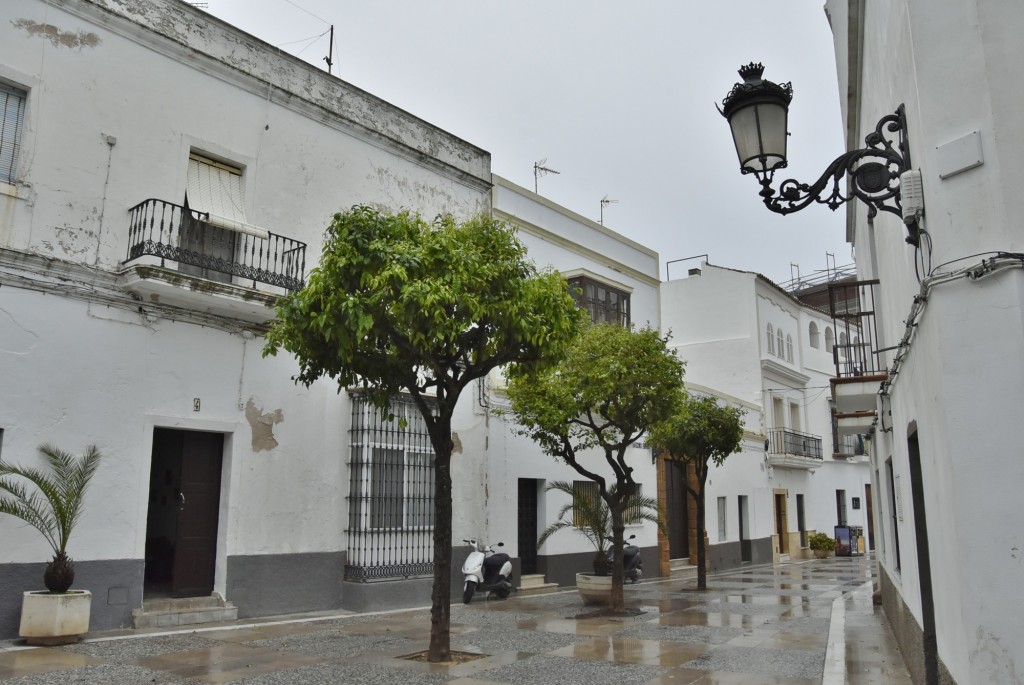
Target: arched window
{"points": [[812, 333], [842, 345], [771, 340], [830, 339], [789, 348], [782, 349]]}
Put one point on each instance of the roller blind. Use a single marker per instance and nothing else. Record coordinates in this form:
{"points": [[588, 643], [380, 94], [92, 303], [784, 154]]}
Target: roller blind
{"points": [[12, 117]]}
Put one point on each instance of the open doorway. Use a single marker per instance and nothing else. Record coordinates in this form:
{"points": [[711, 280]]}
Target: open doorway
{"points": [[184, 507], [781, 524], [678, 510], [529, 488]]}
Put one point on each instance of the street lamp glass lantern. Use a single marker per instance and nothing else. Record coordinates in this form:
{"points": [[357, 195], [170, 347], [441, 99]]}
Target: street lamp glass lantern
{"points": [[757, 111]]}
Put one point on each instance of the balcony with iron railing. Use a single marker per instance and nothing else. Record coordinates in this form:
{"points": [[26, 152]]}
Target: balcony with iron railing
{"points": [[859, 369], [189, 258], [793, 450]]}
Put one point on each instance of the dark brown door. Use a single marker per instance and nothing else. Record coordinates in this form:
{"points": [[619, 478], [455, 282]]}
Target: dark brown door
{"points": [[870, 514], [678, 511], [746, 553], [528, 525], [198, 498], [780, 521]]}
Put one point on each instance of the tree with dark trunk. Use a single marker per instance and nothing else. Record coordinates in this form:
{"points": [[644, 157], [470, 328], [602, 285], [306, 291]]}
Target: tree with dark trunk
{"points": [[399, 304], [700, 432], [609, 390]]}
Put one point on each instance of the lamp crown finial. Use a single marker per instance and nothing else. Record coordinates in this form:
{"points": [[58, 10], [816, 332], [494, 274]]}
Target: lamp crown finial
{"points": [[752, 71]]}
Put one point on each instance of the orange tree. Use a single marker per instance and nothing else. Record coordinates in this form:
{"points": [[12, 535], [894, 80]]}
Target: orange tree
{"points": [[606, 393], [400, 304], [700, 432]]}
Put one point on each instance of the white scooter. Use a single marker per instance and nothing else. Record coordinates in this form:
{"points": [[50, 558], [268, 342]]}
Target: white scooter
{"points": [[488, 570]]}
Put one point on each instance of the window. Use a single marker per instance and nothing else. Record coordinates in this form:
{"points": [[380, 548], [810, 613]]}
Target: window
{"points": [[814, 335], [789, 348], [391, 492], [782, 348], [721, 519], [604, 303], [843, 344], [586, 494], [830, 339], [771, 340], [214, 188], [841, 507], [12, 117]]}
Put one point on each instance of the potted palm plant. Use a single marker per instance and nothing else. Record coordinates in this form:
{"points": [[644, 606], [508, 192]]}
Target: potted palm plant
{"points": [[590, 517], [59, 615]]}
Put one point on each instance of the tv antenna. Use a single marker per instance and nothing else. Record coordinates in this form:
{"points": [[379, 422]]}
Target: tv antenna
{"points": [[330, 52], [539, 170], [604, 202]]}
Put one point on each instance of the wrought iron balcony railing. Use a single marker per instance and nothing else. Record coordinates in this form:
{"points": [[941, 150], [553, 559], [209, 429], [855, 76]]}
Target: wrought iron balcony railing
{"points": [[219, 252], [852, 305], [785, 441]]}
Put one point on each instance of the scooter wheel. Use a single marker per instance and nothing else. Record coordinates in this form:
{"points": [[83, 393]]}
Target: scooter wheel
{"points": [[467, 594]]}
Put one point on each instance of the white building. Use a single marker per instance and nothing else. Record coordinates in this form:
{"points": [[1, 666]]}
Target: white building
{"points": [[163, 177], [619, 282], [219, 474], [946, 455], [750, 343]]}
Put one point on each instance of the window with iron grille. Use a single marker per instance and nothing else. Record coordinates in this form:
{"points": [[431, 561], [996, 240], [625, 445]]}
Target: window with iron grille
{"points": [[604, 303], [587, 494], [721, 519], [12, 118], [391, 492]]}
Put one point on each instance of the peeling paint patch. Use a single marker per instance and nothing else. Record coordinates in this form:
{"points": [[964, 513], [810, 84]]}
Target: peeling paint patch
{"points": [[456, 443], [262, 426], [66, 39]]}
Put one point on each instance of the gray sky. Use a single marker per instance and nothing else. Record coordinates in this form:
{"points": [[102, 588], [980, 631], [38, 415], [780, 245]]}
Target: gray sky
{"points": [[618, 95]]}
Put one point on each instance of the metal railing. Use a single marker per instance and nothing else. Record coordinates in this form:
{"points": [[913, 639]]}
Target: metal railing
{"points": [[786, 441], [854, 351], [391, 492], [186, 236]]}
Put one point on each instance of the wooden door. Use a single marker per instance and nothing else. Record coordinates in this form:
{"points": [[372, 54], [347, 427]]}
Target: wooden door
{"points": [[678, 510], [781, 526], [528, 525], [195, 549]]}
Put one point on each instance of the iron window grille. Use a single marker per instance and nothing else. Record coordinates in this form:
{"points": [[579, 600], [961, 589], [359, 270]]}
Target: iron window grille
{"points": [[391, 492], [588, 493]]}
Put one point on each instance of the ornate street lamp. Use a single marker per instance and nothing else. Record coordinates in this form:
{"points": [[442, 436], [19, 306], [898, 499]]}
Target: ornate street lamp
{"points": [[757, 111]]}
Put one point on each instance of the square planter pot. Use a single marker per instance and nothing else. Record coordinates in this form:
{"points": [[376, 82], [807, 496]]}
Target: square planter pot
{"points": [[594, 590], [48, 619]]}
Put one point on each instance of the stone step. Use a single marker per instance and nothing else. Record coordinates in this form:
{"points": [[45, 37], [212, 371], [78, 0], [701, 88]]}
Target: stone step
{"points": [[534, 584], [681, 568], [186, 611]]}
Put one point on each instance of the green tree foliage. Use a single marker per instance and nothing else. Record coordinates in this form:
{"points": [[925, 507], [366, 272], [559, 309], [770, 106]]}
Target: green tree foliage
{"points": [[611, 388], [399, 304], [700, 432], [54, 506]]}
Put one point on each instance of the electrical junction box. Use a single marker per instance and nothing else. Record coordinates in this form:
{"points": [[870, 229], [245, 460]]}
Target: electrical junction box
{"points": [[911, 196]]}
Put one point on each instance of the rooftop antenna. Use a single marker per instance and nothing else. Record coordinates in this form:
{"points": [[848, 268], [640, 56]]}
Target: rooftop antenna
{"points": [[539, 170], [330, 52], [793, 267], [829, 270], [605, 201]]}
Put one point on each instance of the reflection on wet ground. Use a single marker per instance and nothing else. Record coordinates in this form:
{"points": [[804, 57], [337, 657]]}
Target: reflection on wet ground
{"points": [[760, 625]]}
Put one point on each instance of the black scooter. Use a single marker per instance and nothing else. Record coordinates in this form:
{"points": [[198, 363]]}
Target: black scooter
{"points": [[632, 566]]}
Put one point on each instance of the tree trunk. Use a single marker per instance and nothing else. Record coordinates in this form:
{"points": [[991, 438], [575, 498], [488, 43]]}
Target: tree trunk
{"points": [[702, 570], [617, 600], [440, 610]]}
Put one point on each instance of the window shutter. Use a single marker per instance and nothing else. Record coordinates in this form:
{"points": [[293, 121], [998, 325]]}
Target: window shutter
{"points": [[12, 117], [215, 188]]}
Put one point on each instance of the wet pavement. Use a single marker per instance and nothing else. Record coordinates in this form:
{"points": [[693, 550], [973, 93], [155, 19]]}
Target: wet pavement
{"points": [[798, 623]]}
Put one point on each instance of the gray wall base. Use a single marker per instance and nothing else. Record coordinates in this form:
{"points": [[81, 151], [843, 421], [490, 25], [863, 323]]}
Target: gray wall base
{"points": [[562, 568], [385, 595], [271, 584], [907, 632], [726, 555], [115, 584]]}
